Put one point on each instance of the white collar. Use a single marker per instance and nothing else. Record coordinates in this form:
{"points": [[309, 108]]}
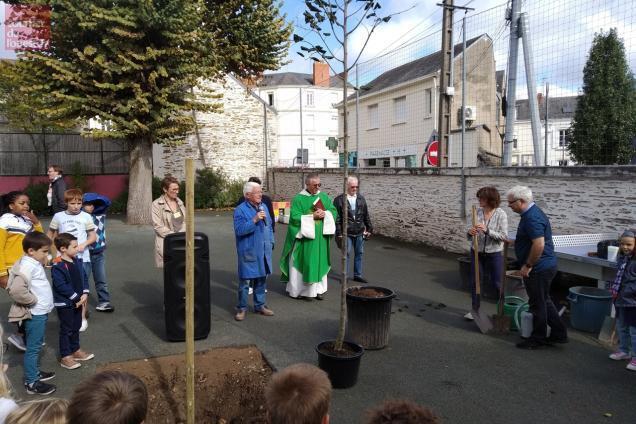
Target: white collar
{"points": [[306, 193], [355, 196]]}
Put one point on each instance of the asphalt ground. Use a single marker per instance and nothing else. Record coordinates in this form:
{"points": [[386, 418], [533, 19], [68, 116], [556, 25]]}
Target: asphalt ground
{"points": [[434, 357]]}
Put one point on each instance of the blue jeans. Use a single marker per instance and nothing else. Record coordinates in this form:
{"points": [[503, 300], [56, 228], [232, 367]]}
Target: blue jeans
{"points": [[490, 264], [34, 328], [259, 293], [626, 334], [97, 266], [357, 242], [70, 323]]}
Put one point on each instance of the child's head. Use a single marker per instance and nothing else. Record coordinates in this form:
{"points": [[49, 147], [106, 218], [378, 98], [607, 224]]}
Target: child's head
{"points": [[109, 397], [627, 244], [44, 411], [299, 394], [15, 202], [66, 244], [36, 245], [401, 412], [88, 207], [73, 200]]}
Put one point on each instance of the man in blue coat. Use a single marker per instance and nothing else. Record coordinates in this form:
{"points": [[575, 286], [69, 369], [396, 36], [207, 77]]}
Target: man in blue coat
{"points": [[254, 245]]}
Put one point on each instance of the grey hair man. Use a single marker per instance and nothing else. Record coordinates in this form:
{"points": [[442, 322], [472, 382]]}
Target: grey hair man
{"points": [[359, 225], [535, 255]]}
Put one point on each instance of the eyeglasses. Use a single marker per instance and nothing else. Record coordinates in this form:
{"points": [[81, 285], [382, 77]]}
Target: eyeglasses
{"points": [[353, 186], [512, 202], [315, 185]]}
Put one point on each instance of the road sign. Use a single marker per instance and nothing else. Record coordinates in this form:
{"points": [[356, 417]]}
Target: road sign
{"points": [[432, 153]]}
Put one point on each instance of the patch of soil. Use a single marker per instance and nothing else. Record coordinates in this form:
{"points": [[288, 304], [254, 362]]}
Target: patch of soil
{"points": [[367, 292], [346, 352], [229, 385]]}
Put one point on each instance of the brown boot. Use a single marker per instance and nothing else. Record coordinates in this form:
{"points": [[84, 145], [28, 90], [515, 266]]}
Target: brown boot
{"points": [[240, 316], [265, 311]]}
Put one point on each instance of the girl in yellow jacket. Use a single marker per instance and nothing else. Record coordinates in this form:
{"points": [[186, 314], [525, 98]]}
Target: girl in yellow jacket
{"points": [[16, 221]]}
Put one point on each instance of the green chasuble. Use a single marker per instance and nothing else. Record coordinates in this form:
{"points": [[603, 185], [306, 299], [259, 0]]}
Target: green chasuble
{"points": [[311, 257]]}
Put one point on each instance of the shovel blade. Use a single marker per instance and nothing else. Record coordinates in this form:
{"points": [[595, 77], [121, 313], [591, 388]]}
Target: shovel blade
{"points": [[483, 321], [605, 335], [501, 324]]}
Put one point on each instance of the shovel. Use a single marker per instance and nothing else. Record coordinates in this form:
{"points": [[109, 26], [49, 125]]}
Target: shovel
{"points": [[481, 319], [608, 330], [501, 321]]}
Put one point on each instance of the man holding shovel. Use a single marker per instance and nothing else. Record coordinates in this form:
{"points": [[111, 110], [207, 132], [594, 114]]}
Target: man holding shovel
{"points": [[535, 253]]}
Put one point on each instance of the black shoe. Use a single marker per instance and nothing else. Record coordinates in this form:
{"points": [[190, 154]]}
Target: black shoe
{"points": [[320, 297], [530, 344], [560, 340], [360, 280], [39, 388], [46, 376]]}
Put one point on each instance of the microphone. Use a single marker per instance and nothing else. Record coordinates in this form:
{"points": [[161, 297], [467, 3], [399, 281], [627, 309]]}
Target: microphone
{"points": [[262, 209]]}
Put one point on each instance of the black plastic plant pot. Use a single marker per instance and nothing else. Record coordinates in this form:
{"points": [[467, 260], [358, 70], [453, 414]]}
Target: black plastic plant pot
{"points": [[369, 315], [341, 367]]}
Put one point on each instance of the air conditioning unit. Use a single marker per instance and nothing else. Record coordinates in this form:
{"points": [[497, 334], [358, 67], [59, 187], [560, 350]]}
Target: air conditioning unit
{"points": [[470, 114]]}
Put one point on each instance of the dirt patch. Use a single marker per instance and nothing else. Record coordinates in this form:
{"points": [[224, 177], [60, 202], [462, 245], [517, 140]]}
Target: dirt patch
{"points": [[229, 385], [367, 292]]}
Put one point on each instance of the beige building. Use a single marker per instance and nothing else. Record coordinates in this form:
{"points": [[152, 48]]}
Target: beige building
{"points": [[398, 112], [238, 140]]}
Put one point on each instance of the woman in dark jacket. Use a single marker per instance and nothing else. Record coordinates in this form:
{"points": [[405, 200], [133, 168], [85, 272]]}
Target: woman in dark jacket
{"points": [[57, 187]]}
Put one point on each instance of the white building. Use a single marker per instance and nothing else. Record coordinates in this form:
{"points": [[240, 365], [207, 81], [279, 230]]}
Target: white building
{"points": [[315, 94], [560, 114]]}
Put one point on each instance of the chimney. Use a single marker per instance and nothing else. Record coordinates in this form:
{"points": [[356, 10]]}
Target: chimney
{"points": [[321, 74]]}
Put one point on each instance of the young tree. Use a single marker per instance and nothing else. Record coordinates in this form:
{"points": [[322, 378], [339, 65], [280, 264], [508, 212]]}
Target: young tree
{"points": [[134, 64], [604, 123], [333, 22]]}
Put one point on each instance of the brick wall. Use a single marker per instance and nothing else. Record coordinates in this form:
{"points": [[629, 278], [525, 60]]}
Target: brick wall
{"points": [[425, 206]]}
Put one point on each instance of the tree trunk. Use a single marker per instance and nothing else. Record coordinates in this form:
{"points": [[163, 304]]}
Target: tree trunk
{"points": [[140, 182]]}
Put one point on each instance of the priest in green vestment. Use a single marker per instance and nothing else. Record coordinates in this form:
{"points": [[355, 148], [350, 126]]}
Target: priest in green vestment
{"points": [[305, 261]]}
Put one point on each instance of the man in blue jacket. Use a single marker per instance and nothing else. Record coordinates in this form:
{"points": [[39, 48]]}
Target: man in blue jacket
{"points": [[254, 245]]}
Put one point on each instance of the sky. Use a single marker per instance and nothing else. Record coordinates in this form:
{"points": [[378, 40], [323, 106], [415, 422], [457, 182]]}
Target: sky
{"points": [[560, 36]]}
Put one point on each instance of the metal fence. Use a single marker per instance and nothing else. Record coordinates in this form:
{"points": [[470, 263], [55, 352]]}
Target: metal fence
{"points": [[393, 120], [31, 153]]}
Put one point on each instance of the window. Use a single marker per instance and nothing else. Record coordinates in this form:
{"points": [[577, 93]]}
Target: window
{"points": [[310, 122], [399, 110], [270, 99], [563, 162], [515, 160], [428, 102], [563, 138], [527, 160], [310, 98], [386, 162], [371, 162], [373, 117]]}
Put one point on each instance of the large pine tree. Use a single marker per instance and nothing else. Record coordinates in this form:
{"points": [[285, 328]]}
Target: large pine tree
{"points": [[134, 63], [604, 123]]}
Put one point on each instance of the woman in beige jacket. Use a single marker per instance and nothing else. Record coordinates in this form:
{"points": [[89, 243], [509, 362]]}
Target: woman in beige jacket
{"points": [[168, 215]]}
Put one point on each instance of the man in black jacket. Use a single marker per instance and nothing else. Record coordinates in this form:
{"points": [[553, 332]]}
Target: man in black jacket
{"points": [[359, 225]]}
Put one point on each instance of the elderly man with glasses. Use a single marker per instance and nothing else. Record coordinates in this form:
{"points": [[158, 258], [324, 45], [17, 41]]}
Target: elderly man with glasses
{"points": [[358, 224], [535, 254], [305, 262]]}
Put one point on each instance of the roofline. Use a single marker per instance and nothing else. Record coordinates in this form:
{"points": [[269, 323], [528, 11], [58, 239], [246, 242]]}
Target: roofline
{"points": [[391, 88], [256, 96]]}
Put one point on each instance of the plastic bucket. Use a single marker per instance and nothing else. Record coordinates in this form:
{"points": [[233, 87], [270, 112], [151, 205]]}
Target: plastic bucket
{"points": [[588, 308], [369, 318], [341, 369], [511, 304]]}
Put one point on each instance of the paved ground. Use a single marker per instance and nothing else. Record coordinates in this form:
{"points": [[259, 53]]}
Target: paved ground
{"points": [[434, 356]]}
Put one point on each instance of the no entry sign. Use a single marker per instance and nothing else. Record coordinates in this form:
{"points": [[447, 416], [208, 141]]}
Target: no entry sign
{"points": [[432, 153]]}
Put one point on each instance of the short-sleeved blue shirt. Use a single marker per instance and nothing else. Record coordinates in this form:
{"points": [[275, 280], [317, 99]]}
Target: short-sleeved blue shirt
{"points": [[534, 224]]}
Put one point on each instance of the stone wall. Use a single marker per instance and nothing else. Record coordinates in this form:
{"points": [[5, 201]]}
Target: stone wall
{"points": [[425, 205], [232, 139]]}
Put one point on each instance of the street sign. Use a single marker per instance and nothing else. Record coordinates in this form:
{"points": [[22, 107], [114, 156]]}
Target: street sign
{"points": [[432, 153]]}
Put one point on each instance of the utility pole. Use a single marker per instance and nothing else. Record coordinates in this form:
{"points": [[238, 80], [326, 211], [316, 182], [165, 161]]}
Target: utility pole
{"points": [[511, 91], [446, 83], [446, 89]]}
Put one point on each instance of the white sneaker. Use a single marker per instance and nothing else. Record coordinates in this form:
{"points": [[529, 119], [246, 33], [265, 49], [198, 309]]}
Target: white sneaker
{"points": [[620, 356], [17, 341], [84, 325], [469, 316], [632, 365]]}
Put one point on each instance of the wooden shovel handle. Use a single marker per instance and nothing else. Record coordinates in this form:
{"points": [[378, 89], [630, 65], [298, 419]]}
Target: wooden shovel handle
{"points": [[476, 253], [502, 290]]}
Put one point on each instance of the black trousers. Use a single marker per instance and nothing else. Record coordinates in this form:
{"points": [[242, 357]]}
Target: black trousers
{"points": [[543, 311], [70, 323]]}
